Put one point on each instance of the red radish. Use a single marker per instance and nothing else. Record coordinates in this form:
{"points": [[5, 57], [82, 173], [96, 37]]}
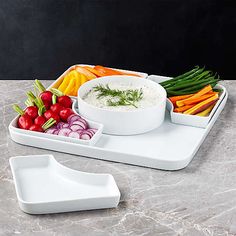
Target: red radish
{"points": [[65, 101], [86, 136], [65, 113], [50, 114], [44, 94], [56, 108], [40, 120], [74, 134], [24, 121], [47, 104], [37, 128], [80, 123], [50, 130], [73, 118], [32, 111], [76, 127], [64, 131]]}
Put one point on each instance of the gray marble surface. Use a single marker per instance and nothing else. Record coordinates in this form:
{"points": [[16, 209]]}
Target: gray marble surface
{"points": [[198, 200]]}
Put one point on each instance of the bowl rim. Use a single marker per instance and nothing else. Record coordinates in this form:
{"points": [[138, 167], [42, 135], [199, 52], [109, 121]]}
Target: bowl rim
{"points": [[113, 77]]}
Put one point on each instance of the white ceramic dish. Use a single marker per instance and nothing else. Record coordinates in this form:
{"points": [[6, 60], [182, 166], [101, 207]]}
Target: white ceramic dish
{"points": [[191, 120], [92, 124], [150, 149], [124, 122], [45, 186], [59, 80]]}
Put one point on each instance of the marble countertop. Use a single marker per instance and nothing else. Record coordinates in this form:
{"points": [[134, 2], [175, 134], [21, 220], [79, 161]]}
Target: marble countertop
{"points": [[198, 200]]}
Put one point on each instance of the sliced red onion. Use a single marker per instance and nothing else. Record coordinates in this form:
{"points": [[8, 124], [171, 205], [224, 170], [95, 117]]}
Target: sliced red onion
{"points": [[92, 130], [76, 127], [50, 130], [60, 125], [56, 132], [74, 134], [65, 125], [81, 123], [64, 132], [89, 132], [85, 135], [73, 118]]}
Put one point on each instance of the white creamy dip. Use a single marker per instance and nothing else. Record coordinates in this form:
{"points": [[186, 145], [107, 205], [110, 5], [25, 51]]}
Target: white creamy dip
{"points": [[150, 97]]}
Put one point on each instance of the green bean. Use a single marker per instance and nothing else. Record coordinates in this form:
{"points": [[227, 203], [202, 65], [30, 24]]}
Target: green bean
{"points": [[183, 77]]}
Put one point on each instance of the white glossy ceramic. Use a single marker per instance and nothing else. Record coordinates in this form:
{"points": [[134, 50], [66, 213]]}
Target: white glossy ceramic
{"points": [[124, 122], [191, 120], [45, 186]]}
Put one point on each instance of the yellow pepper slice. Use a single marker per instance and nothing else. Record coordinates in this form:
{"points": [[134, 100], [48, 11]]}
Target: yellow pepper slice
{"points": [[64, 83], [83, 79], [70, 87]]}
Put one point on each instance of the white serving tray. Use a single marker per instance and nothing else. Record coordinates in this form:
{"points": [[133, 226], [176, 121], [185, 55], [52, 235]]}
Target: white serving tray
{"points": [[169, 147], [191, 120], [45, 186]]}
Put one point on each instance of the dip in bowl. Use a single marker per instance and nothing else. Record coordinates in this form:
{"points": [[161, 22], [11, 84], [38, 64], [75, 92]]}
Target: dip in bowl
{"points": [[125, 105]]}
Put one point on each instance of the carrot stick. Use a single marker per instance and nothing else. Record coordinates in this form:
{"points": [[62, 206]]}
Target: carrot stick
{"points": [[199, 99], [184, 108], [174, 99], [203, 91]]}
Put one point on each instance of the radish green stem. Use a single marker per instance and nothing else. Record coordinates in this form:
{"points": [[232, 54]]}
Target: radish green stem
{"points": [[18, 109], [48, 124], [29, 103], [57, 92], [39, 86], [54, 99]]}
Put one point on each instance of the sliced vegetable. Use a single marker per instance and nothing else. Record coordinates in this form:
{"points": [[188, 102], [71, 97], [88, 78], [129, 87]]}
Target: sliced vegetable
{"points": [[207, 111], [183, 108], [203, 91], [202, 105]]}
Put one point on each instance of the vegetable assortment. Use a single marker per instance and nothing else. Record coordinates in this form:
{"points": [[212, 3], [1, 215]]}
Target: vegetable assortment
{"points": [[50, 112], [190, 82], [81, 74], [193, 93], [200, 103]]}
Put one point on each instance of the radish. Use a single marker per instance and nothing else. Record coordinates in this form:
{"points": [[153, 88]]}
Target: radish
{"points": [[76, 127], [73, 118], [85, 135], [40, 120], [80, 123], [65, 101], [64, 132], [44, 94], [65, 113], [37, 128], [50, 114], [60, 125], [32, 111], [74, 134], [24, 121], [56, 108], [51, 130]]}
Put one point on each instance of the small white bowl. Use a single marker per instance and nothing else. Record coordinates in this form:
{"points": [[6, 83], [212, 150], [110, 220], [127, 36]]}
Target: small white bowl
{"points": [[124, 122]]}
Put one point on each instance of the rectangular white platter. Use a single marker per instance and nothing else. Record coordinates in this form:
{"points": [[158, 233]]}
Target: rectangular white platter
{"points": [[168, 147]]}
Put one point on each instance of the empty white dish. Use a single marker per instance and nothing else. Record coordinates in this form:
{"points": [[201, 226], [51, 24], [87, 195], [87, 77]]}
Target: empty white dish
{"points": [[120, 122], [45, 186]]}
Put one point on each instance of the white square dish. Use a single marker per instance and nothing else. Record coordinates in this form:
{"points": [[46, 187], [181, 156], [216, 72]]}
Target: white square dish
{"points": [[45, 186], [190, 120]]}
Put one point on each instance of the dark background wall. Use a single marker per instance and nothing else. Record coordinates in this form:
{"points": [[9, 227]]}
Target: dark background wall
{"points": [[41, 38]]}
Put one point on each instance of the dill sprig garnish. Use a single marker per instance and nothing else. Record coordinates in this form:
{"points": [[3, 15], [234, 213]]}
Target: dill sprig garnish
{"points": [[120, 97]]}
